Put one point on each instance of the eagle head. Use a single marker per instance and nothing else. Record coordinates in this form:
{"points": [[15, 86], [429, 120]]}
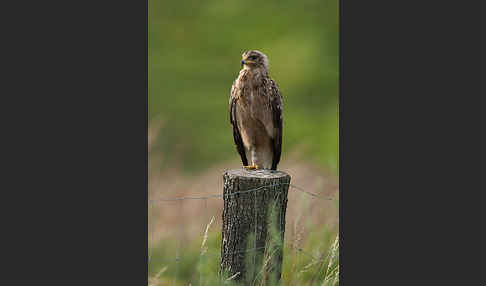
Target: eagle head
{"points": [[254, 59]]}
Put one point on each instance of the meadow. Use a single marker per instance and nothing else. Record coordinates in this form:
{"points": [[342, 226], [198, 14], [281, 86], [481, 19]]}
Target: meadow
{"points": [[194, 55], [183, 250]]}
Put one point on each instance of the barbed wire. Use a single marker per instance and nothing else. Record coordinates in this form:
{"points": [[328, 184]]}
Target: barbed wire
{"points": [[241, 192]]}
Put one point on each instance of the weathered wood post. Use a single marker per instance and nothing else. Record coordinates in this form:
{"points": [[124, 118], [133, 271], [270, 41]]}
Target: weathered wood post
{"points": [[255, 203]]}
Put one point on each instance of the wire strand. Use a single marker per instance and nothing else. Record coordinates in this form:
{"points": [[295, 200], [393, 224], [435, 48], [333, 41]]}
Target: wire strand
{"points": [[241, 192]]}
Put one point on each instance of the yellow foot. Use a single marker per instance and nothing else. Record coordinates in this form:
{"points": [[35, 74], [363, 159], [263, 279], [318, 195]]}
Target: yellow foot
{"points": [[251, 167]]}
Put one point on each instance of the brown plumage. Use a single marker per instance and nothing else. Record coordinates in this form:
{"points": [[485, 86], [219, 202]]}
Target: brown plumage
{"points": [[255, 107]]}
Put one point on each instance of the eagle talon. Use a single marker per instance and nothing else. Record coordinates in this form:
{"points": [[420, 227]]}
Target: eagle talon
{"points": [[251, 167]]}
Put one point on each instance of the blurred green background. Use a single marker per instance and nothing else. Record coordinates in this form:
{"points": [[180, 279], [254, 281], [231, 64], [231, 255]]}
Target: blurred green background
{"points": [[194, 54]]}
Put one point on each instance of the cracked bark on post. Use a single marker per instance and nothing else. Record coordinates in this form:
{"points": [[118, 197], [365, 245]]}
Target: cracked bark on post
{"points": [[255, 202]]}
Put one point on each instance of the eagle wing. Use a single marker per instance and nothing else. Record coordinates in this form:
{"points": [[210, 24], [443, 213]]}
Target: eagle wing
{"points": [[277, 107], [236, 132]]}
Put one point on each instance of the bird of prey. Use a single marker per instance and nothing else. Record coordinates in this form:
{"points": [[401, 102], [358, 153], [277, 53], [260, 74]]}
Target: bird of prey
{"points": [[255, 107]]}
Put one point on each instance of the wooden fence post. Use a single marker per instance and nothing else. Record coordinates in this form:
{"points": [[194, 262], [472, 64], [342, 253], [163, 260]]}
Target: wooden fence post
{"points": [[255, 203]]}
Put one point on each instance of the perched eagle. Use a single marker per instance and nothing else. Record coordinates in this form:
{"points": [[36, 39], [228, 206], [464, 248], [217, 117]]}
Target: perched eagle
{"points": [[255, 108]]}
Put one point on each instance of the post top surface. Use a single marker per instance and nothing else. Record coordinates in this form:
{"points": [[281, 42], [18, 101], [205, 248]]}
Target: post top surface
{"points": [[270, 174]]}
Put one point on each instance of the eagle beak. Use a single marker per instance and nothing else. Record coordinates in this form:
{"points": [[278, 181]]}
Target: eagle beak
{"points": [[244, 62]]}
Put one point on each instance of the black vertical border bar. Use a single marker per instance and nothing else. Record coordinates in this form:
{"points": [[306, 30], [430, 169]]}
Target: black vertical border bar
{"points": [[78, 82]]}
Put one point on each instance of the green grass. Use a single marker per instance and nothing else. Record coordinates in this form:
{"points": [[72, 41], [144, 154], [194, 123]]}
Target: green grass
{"points": [[311, 263], [310, 255]]}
